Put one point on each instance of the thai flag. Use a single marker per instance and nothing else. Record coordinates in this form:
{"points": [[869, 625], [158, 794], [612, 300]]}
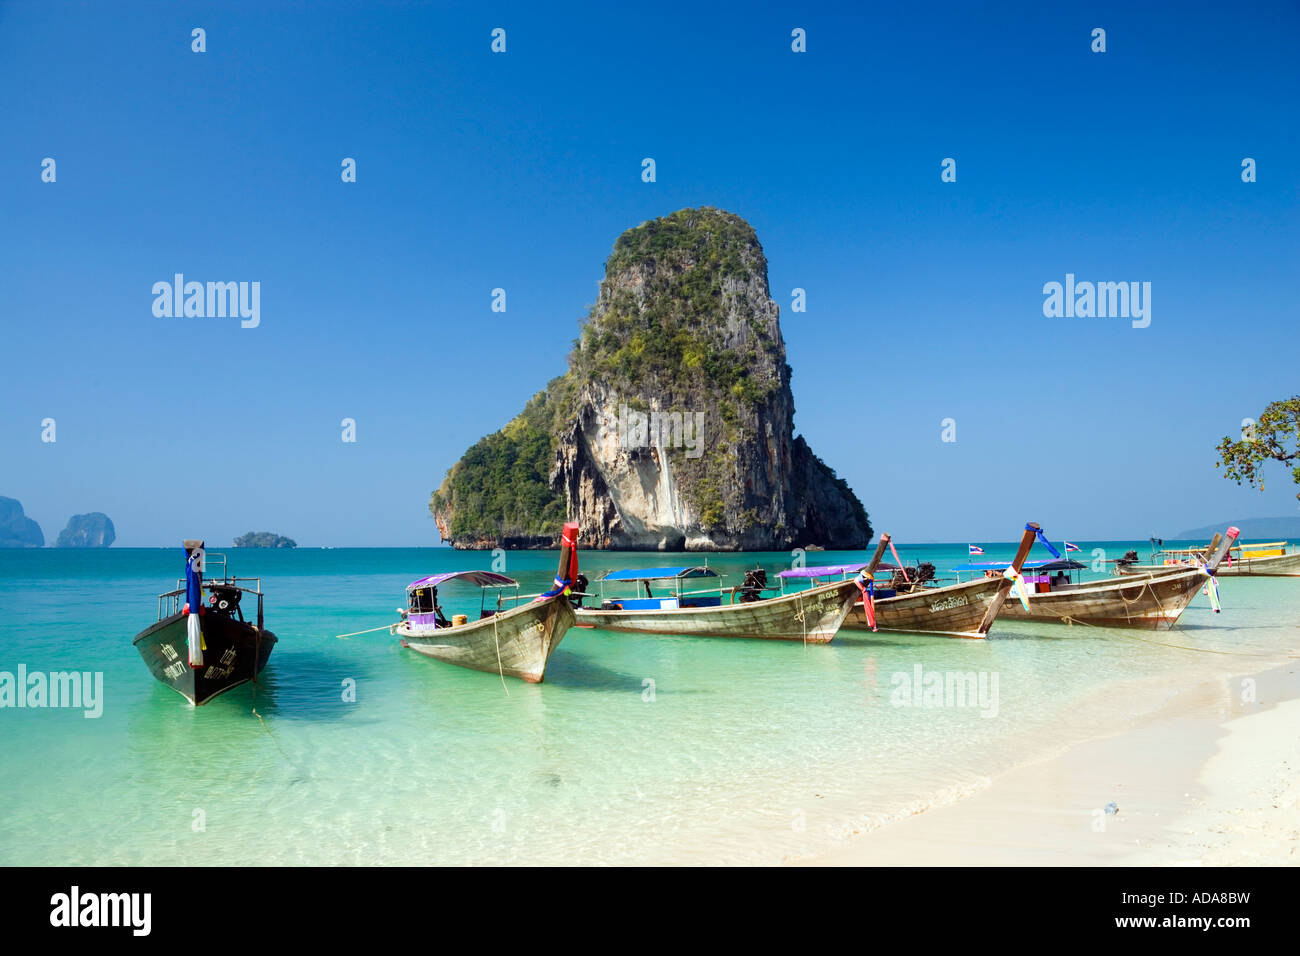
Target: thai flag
{"points": [[974, 549], [1070, 547]]}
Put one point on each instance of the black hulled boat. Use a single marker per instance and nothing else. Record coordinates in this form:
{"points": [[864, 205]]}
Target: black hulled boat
{"points": [[203, 649]]}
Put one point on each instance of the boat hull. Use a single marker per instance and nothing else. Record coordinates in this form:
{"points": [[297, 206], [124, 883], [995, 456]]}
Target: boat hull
{"points": [[954, 611], [235, 653], [1152, 602], [1275, 566], [515, 643], [813, 616]]}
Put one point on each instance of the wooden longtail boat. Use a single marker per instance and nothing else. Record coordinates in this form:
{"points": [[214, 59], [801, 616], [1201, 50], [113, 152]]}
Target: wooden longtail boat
{"points": [[201, 650], [967, 609], [1152, 601], [517, 642], [812, 615], [1272, 559]]}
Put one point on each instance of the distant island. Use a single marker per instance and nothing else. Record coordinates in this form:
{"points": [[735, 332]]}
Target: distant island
{"points": [[1252, 529], [264, 539], [91, 530], [673, 428], [16, 529]]}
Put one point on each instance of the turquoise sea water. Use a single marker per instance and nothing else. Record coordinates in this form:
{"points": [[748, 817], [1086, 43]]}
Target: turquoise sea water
{"points": [[636, 749]]}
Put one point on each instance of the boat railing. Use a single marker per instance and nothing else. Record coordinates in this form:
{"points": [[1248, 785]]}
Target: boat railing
{"points": [[171, 602]]}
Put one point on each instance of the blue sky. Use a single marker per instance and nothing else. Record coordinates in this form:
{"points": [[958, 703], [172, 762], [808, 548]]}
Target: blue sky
{"points": [[518, 170]]}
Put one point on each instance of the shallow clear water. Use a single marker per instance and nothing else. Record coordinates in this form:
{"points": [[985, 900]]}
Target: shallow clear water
{"points": [[635, 749]]}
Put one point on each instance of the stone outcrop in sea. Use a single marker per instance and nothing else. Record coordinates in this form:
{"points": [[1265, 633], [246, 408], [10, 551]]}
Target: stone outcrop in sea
{"points": [[264, 539], [16, 529], [673, 428], [91, 530]]}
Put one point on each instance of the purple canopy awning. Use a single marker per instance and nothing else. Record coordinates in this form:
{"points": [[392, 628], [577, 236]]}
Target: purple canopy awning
{"points": [[827, 570], [484, 579]]}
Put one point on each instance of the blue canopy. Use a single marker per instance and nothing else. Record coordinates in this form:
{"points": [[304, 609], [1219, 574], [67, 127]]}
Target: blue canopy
{"points": [[658, 574], [1064, 564]]}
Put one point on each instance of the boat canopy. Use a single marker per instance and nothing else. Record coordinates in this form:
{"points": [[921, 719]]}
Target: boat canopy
{"points": [[484, 579], [1055, 564], [827, 570], [658, 574]]}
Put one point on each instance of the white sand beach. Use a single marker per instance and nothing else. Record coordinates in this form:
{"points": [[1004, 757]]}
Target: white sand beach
{"points": [[1208, 780]]}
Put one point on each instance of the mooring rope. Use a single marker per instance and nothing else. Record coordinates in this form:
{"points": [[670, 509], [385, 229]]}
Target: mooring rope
{"points": [[257, 656], [803, 621], [496, 639], [1066, 619], [385, 627]]}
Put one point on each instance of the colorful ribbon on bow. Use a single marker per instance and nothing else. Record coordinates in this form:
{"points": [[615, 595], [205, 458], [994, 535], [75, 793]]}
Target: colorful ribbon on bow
{"points": [[1018, 584], [1043, 538], [562, 586], [867, 585]]}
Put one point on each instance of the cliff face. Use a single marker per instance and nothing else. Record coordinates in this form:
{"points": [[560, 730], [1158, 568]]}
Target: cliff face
{"points": [[93, 530], [16, 529], [673, 427]]}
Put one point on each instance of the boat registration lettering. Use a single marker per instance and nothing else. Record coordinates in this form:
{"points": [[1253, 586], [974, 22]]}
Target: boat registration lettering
{"points": [[956, 600], [173, 671], [169, 652]]}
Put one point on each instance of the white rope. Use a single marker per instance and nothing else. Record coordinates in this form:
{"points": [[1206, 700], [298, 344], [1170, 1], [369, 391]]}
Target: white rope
{"points": [[496, 638], [802, 618], [386, 627]]}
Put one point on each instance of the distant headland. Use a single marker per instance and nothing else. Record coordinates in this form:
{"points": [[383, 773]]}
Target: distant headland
{"points": [[16, 529], [1251, 529]]}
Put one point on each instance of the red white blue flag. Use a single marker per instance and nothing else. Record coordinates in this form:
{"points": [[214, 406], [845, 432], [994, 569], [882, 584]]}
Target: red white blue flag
{"points": [[1070, 547], [975, 549]]}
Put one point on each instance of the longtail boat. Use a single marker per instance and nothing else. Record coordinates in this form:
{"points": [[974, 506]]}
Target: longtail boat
{"points": [[1150, 601], [966, 609], [201, 650], [514, 642], [812, 615], [1271, 559]]}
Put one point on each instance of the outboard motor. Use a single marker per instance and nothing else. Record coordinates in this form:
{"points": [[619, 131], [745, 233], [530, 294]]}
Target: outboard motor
{"points": [[225, 601], [755, 584], [904, 582], [1130, 557], [579, 590]]}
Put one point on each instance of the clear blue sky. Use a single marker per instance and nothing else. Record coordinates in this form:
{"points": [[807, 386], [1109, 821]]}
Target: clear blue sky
{"points": [[519, 170]]}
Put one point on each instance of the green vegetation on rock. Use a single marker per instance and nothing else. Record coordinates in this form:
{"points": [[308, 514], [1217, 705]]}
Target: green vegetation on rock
{"points": [[683, 322], [264, 539], [500, 487]]}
